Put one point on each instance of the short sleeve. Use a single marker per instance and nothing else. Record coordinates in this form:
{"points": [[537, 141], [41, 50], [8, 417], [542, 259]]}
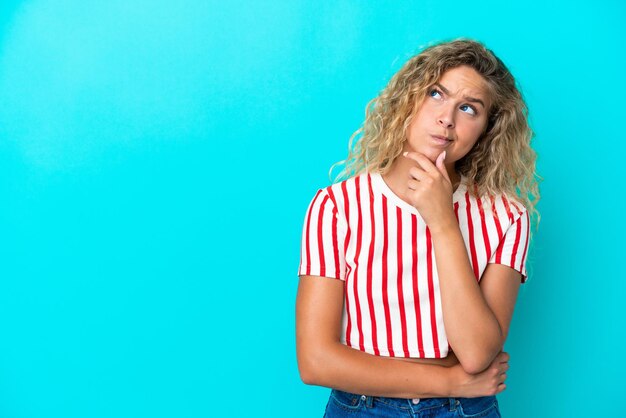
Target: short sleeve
{"points": [[513, 247], [322, 252]]}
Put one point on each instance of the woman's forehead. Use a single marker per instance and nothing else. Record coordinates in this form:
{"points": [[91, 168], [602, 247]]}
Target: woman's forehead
{"points": [[465, 82]]}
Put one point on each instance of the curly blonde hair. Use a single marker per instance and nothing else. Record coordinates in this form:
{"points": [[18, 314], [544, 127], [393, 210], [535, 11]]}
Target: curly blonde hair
{"points": [[502, 160]]}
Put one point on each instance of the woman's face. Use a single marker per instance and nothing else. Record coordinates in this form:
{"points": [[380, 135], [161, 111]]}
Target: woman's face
{"points": [[452, 117]]}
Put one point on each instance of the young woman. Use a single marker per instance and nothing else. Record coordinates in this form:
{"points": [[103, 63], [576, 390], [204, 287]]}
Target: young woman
{"points": [[411, 266]]}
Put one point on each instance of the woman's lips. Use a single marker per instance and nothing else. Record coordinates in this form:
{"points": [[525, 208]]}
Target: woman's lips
{"points": [[440, 140]]}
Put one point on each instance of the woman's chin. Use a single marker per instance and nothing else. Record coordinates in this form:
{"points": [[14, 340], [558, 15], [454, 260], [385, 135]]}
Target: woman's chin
{"points": [[432, 154]]}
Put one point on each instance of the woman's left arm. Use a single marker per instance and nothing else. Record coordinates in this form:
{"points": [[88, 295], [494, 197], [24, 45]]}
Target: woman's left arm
{"points": [[476, 316]]}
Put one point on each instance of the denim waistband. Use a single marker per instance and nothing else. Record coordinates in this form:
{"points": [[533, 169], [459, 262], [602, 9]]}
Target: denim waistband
{"points": [[415, 404]]}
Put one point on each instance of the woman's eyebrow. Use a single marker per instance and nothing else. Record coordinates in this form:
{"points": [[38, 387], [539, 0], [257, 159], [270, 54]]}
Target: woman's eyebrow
{"points": [[468, 98]]}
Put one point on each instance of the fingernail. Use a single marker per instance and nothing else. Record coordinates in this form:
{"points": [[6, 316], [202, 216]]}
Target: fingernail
{"points": [[444, 155]]}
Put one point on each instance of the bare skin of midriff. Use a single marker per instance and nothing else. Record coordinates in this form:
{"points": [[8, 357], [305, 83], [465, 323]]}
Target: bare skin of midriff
{"points": [[448, 361]]}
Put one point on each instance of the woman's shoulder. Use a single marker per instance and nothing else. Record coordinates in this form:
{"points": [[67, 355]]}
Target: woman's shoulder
{"points": [[341, 193], [511, 204], [507, 206], [498, 202], [347, 187]]}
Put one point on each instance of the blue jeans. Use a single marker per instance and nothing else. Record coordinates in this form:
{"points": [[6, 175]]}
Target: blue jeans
{"points": [[344, 404]]}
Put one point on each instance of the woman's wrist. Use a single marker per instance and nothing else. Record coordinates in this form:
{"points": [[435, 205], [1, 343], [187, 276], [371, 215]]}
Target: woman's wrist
{"points": [[445, 225], [451, 381], [436, 382]]}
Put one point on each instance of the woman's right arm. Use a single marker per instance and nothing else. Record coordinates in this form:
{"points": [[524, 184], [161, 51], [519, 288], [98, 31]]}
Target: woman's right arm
{"points": [[324, 361]]}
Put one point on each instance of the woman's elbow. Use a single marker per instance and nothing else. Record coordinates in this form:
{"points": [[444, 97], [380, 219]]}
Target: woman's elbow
{"points": [[474, 366], [475, 363], [307, 372], [310, 366]]}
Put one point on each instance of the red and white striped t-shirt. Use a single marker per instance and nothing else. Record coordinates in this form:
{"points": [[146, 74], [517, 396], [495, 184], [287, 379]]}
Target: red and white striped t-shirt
{"points": [[361, 232]]}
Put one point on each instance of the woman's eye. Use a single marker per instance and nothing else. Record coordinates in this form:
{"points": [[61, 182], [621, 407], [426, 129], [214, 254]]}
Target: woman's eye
{"points": [[434, 93], [469, 109]]}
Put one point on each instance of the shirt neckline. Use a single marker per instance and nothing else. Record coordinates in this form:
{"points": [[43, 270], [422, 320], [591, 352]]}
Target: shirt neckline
{"points": [[379, 184]]}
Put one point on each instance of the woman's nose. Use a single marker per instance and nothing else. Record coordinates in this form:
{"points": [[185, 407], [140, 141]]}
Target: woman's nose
{"points": [[446, 118]]}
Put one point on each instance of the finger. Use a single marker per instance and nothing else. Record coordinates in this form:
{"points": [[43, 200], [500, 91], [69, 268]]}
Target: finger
{"points": [[413, 184], [417, 173], [423, 161], [442, 168]]}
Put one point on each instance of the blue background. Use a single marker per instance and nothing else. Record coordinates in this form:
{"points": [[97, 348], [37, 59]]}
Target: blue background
{"points": [[157, 159]]}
